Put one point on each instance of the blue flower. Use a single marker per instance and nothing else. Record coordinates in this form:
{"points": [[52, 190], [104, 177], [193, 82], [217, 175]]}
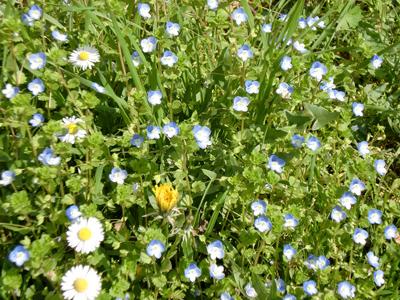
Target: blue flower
{"points": [[310, 22], [380, 167], [171, 129], [216, 250], [240, 103], [59, 37], [118, 175], [284, 90], [320, 24], [239, 16], [250, 291], [202, 136], [36, 86], [10, 91], [136, 58], [35, 12], [288, 42], [311, 262], [286, 63], [354, 128], [19, 255], [98, 88], [345, 290], [42, 155], [376, 61], [310, 287], [192, 272], [390, 232], [51, 160], [299, 47], [317, 70], [378, 278], [7, 177], [173, 28], [135, 187], [144, 10], [297, 141], [313, 143], [267, 28], [327, 85], [280, 285], [282, 17], [337, 214], [137, 140], [358, 109], [267, 186], [263, 224], [357, 186], [217, 272], [73, 212], [169, 58], [155, 248], [302, 23], [363, 148], [372, 259], [322, 262], [275, 163], [360, 236], [148, 45], [27, 20], [153, 132], [252, 86], [154, 97], [37, 120], [347, 200], [374, 216], [259, 207], [212, 4], [289, 251], [226, 296], [289, 297], [245, 52], [339, 95], [37, 60], [290, 221]]}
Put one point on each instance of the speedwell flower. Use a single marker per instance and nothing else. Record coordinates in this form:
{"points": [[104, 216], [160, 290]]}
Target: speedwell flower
{"points": [[51, 160], [149, 44], [318, 70], [297, 141], [378, 278], [73, 213], [72, 130], [313, 143], [19, 255], [338, 214], [166, 196], [259, 207], [327, 85], [154, 97], [239, 16], [286, 63], [345, 290], [275, 163], [358, 109], [322, 262], [240, 103], [212, 4], [98, 88], [363, 148], [202, 136], [85, 234], [36, 86], [284, 90], [280, 285], [372, 259], [136, 58], [169, 58], [7, 177], [192, 272], [310, 287], [299, 47], [250, 291], [252, 86], [37, 60], [10, 91], [217, 272], [390, 232], [360, 236], [144, 10], [380, 167], [42, 155], [118, 175], [155, 248], [173, 28], [289, 251], [171, 129], [81, 283], [311, 262], [153, 132], [137, 140], [226, 296], [216, 250], [84, 57], [267, 28], [310, 22], [35, 12], [59, 36], [374, 216], [302, 23], [290, 221], [37, 120], [376, 61], [289, 297], [263, 224], [245, 52], [347, 200], [357, 186]]}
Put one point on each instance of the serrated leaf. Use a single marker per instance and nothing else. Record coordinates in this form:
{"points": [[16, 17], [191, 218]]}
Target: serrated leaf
{"points": [[321, 115]]}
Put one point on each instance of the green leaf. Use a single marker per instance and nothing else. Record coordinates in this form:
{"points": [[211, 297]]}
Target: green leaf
{"points": [[210, 174], [258, 284], [321, 115], [295, 119], [353, 17]]}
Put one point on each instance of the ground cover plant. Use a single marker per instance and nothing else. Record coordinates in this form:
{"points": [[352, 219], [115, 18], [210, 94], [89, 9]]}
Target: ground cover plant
{"points": [[199, 149]]}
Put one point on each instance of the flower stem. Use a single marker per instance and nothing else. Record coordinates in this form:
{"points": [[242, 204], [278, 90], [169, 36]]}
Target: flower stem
{"points": [[259, 250]]}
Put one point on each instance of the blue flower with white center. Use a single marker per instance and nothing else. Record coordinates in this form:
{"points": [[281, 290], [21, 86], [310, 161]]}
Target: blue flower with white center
{"points": [[338, 214], [318, 70], [347, 200], [153, 132], [118, 175], [313, 143], [35, 12], [135, 187], [267, 28], [339, 95], [98, 88], [259, 207], [289, 297], [216, 250], [217, 272], [240, 103], [202, 136], [320, 24], [10, 91], [42, 155], [360, 236], [289, 251], [327, 85], [358, 109], [37, 60], [345, 290], [149, 44], [354, 128], [357, 186], [37, 120], [51, 160], [263, 224], [59, 36], [290, 221], [7, 177], [226, 296], [73, 213], [19, 255], [310, 287], [378, 278], [283, 17], [372, 259], [137, 140], [250, 291], [390, 232], [297, 141], [27, 20], [212, 4], [376, 61], [374, 216], [136, 59], [171, 130], [252, 86], [322, 262], [169, 58], [36, 86], [280, 285], [302, 23], [286, 63], [275, 163], [285, 90], [300, 47], [239, 16], [144, 10], [192, 272], [363, 148], [310, 22], [311, 262], [245, 52], [155, 248], [154, 97], [173, 28], [288, 42], [380, 167]]}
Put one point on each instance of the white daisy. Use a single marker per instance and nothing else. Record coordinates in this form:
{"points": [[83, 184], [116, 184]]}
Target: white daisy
{"points": [[72, 130], [81, 283], [85, 235], [84, 58]]}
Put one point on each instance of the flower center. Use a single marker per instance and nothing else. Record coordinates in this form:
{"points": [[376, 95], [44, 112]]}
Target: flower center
{"points": [[81, 285], [84, 55], [84, 234], [72, 127]]}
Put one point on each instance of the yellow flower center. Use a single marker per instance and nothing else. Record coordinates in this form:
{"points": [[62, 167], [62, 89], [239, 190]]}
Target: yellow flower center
{"points": [[72, 127], [166, 196], [84, 234], [84, 55], [81, 285]]}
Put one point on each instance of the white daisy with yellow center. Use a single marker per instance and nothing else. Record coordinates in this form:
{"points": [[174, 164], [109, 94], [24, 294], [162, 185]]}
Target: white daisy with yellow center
{"points": [[73, 131], [81, 283], [85, 235], [84, 57]]}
